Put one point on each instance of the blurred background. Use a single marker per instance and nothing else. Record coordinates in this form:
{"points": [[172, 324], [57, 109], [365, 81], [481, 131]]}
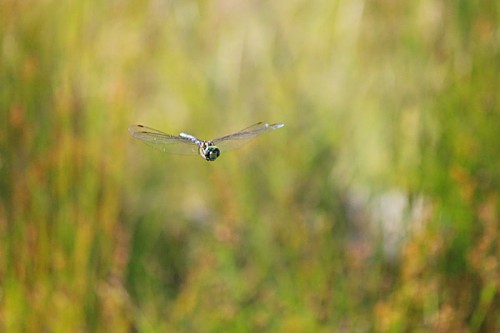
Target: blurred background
{"points": [[375, 209]]}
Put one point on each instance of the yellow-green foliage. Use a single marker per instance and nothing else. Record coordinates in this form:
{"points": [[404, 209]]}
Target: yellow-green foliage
{"points": [[376, 207]]}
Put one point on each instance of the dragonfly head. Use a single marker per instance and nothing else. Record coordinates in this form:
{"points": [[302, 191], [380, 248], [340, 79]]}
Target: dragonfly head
{"points": [[209, 151]]}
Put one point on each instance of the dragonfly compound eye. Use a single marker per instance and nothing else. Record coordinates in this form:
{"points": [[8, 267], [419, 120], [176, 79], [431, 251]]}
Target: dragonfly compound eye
{"points": [[211, 153]]}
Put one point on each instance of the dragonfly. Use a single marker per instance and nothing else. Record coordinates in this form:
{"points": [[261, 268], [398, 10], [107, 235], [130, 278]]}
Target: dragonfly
{"points": [[187, 144]]}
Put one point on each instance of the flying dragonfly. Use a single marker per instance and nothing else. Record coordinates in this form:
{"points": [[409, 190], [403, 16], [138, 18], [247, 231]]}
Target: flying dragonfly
{"points": [[187, 144]]}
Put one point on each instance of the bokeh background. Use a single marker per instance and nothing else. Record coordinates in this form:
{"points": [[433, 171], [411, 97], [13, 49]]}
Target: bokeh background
{"points": [[375, 209]]}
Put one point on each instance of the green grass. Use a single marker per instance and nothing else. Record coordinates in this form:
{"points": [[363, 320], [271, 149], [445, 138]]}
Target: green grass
{"points": [[100, 233]]}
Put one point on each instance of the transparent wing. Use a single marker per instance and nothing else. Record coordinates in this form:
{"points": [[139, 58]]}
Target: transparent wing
{"points": [[164, 142], [238, 139]]}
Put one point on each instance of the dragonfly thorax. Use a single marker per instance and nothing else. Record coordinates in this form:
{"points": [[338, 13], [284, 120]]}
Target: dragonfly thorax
{"points": [[209, 151]]}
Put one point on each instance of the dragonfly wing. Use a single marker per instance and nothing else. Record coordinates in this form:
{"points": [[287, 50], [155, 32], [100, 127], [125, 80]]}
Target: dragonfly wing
{"points": [[238, 139], [164, 142]]}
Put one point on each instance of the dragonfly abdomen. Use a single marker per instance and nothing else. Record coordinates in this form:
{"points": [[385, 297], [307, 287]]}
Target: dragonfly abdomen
{"points": [[190, 138]]}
